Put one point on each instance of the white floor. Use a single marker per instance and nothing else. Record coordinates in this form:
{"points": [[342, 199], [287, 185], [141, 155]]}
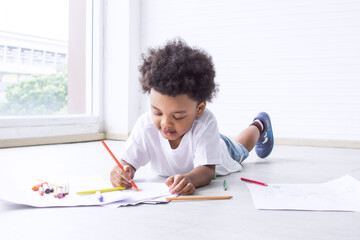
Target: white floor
{"points": [[221, 219]]}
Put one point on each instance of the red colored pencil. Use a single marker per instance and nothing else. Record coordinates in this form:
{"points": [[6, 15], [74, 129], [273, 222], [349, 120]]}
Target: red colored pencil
{"points": [[252, 181], [119, 164]]}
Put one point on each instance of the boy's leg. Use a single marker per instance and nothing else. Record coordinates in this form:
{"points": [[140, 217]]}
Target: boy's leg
{"points": [[249, 137], [258, 134]]}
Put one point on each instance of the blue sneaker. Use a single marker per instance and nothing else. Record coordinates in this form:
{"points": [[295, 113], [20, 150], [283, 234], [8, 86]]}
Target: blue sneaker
{"points": [[265, 143]]}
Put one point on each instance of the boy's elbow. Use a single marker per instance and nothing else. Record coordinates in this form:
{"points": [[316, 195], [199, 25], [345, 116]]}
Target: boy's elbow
{"points": [[211, 172]]}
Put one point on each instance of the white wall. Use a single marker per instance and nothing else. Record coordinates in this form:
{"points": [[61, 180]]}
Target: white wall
{"points": [[297, 60]]}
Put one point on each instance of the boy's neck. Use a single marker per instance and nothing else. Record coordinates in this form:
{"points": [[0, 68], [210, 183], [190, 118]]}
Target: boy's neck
{"points": [[174, 144]]}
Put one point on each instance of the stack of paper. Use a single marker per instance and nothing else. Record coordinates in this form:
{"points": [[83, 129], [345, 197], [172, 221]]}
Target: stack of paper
{"points": [[22, 193]]}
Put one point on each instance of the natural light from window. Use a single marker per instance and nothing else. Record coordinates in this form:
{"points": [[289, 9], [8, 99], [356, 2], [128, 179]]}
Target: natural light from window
{"points": [[35, 51], [50, 58]]}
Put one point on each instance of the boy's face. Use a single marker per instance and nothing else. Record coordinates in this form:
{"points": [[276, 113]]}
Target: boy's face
{"points": [[174, 116]]}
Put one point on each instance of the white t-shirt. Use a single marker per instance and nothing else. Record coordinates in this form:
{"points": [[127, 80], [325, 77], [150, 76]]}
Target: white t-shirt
{"points": [[201, 145]]}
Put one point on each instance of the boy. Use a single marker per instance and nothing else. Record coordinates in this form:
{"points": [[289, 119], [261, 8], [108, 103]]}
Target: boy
{"points": [[179, 136]]}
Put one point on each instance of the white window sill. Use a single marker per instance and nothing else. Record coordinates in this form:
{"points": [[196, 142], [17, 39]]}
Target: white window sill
{"points": [[21, 142], [25, 131]]}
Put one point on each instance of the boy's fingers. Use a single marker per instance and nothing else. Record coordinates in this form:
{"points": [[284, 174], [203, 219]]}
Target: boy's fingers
{"points": [[116, 182], [187, 190], [115, 177], [119, 178], [117, 170], [179, 184], [127, 170], [177, 179], [169, 181], [126, 184]]}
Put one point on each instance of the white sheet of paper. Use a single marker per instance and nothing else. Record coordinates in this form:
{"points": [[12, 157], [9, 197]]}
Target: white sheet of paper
{"points": [[22, 193], [153, 193], [342, 194]]}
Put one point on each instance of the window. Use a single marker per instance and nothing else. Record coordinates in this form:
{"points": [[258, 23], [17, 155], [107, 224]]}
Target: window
{"points": [[26, 54], [2, 52], [47, 83]]}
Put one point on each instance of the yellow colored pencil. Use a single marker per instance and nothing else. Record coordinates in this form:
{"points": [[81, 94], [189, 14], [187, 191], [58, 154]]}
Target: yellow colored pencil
{"points": [[102, 190]]}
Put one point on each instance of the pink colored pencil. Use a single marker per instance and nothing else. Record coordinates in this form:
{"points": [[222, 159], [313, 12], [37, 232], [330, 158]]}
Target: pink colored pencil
{"points": [[252, 181]]}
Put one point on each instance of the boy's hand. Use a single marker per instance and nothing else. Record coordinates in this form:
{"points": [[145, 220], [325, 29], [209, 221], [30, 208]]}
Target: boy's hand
{"points": [[180, 184], [120, 178]]}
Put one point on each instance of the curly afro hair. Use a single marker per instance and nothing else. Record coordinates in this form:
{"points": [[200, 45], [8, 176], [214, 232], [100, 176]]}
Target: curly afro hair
{"points": [[178, 69]]}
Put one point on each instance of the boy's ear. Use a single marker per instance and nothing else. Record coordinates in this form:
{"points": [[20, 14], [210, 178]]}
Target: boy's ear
{"points": [[200, 108]]}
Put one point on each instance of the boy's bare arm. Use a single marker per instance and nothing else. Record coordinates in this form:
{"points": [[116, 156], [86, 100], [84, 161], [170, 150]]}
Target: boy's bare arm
{"points": [[202, 175]]}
